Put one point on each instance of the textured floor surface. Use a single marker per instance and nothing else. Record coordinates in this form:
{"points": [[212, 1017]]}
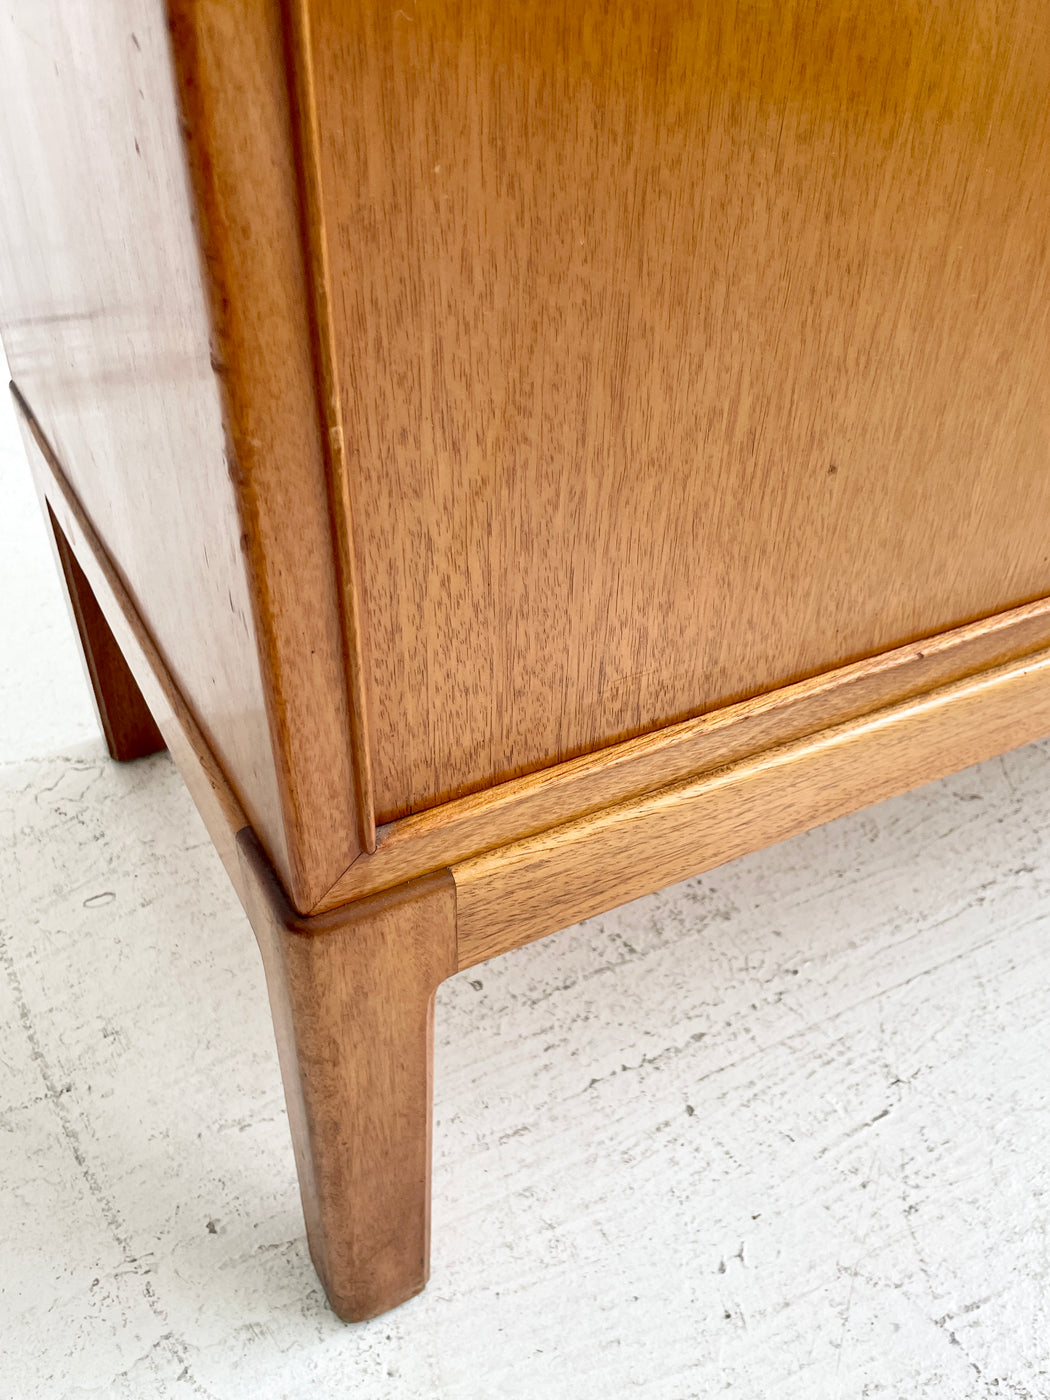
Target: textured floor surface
{"points": [[781, 1131]]}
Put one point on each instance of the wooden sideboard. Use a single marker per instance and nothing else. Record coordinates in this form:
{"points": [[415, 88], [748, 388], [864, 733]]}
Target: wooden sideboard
{"points": [[516, 457]]}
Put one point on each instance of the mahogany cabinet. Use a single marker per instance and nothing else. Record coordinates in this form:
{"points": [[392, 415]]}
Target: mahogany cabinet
{"points": [[518, 456]]}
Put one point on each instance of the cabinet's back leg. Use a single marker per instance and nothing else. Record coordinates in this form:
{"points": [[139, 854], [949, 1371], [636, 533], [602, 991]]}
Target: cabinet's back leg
{"points": [[352, 995], [126, 722]]}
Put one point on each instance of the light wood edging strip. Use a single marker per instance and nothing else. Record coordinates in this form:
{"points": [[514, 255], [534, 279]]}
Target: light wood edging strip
{"points": [[534, 887], [231, 75], [568, 791], [315, 242]]}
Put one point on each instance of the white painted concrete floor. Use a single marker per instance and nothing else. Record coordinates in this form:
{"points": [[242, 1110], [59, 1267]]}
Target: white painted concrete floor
{"points": [[782, 1131]]}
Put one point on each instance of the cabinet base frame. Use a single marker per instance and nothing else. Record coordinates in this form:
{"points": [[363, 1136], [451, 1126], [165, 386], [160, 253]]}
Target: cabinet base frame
{"points": [[352, 987]]}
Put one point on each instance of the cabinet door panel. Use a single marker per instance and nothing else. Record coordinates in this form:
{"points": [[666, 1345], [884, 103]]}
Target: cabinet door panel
{"points": [[686, 350]]}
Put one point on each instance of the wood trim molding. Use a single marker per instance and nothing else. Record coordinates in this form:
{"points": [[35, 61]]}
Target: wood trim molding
{"points": [[315, 245], [230, 65], [531, 888], [513, 811]]}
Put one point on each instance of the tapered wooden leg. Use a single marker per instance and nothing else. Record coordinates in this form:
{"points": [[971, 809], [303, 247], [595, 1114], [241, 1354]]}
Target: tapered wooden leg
{"points": [[126, 722], [352, 995]]}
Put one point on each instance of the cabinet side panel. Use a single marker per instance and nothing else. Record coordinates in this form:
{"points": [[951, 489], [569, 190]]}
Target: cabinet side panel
{"points": [[689, 349], [106, 333]]}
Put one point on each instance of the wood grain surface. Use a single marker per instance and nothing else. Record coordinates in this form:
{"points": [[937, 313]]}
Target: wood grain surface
{"points": [[525, 806], [212, 793], [231, 69], [533, 887], [687, 350], [106, 333], [330, 408], [156, 309]]}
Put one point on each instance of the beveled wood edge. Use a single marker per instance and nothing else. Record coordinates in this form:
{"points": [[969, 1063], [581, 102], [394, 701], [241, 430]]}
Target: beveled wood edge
{"points": [[289, 920], [299, 58], [534, 887], [513, 811], [233, 87]]}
